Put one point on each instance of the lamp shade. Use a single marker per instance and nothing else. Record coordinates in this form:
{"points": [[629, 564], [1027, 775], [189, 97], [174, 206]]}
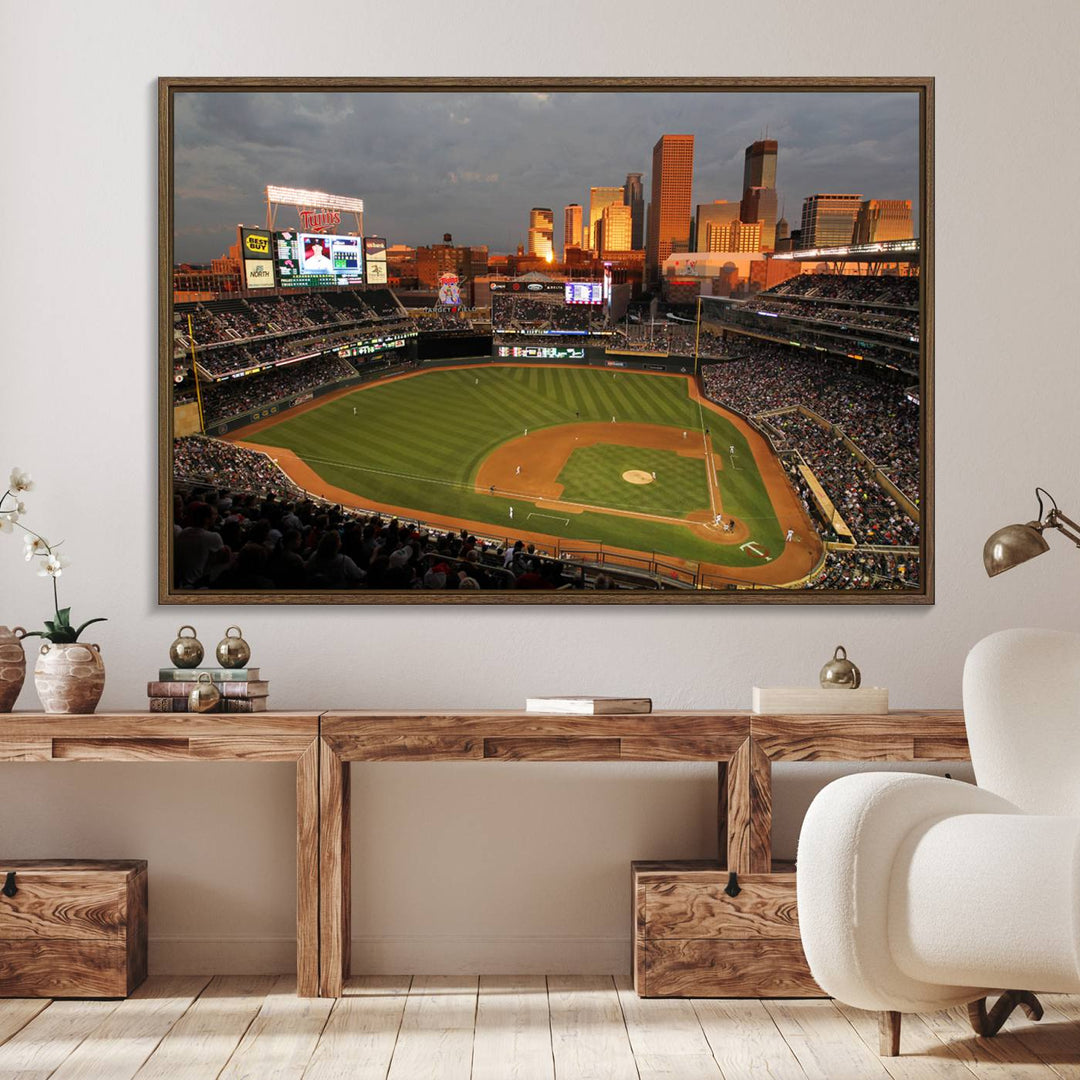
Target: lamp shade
{"points": [[1012, 545]]}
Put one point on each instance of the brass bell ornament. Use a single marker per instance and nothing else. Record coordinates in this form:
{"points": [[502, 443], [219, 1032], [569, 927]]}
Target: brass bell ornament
{"points": [[233, 652], [204, 696], [186, 652], [840, 673]]}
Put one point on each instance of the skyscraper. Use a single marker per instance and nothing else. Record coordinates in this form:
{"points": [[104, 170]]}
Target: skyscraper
{"points": [[828, 219], [616, 225], [634, 197], [599, 197], [883, 219], [669, 207], [571, 227], [783, 235], [719, 212], [759, 204], [542, 232], [738, 236], [759, 189], [759, 167]]}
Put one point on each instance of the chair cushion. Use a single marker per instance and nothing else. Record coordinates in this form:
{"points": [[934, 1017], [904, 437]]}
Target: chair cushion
{"points": [[988, 899], [849, 842]]}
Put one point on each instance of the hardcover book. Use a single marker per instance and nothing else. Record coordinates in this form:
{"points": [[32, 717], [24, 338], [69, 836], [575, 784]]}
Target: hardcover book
{"points": [[191, 674], [228, 705], [588, 706], [226, 689]]}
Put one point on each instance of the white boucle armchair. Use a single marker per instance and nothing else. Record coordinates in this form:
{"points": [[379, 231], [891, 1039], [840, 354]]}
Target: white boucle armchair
{"points": [[917, 893]]}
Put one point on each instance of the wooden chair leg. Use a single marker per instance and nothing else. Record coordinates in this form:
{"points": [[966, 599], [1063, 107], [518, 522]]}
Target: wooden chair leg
{"points": [[988, 1024], [889, 1033]]}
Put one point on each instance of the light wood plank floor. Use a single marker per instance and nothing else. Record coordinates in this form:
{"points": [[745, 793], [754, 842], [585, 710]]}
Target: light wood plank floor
{"points": [[524, 1027]]}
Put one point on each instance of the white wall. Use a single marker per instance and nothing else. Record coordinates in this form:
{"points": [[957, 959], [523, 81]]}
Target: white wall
{"points": [[497, 867]]}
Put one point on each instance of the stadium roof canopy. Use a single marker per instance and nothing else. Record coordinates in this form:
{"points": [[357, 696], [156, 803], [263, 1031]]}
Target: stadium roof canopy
{"points": [[882, 251]]}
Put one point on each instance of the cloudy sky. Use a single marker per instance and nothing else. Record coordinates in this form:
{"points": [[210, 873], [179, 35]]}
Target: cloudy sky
{"points": [[473, 164]]}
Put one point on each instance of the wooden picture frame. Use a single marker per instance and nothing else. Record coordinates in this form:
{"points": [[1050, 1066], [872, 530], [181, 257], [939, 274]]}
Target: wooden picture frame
{"points": [[906, 568]]}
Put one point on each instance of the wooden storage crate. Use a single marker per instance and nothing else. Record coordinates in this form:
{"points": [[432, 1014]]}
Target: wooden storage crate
{"points": [[72, 928], [691, 939]]}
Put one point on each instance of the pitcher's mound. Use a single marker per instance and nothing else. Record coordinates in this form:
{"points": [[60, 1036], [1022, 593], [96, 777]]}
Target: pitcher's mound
{"points": [[636, 476]]}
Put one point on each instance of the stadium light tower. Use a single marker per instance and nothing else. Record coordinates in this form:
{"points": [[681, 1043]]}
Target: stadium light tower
{"points": [[318, 210]]}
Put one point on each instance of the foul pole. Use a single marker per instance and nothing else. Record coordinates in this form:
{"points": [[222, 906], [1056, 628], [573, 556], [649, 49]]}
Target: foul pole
{"points": [[195, 372], [697, 335]]}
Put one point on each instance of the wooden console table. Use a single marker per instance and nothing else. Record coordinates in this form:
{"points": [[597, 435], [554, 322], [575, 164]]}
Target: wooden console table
{"points": [[269, 736], [743, 746]]}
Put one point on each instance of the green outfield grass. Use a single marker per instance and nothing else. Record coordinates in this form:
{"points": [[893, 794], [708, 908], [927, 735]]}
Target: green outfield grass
{"points": [[594, 475], [419, 442]]}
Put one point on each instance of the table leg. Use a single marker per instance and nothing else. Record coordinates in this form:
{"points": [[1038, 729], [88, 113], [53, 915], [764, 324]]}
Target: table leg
{"points": [[749, 810], [334, 872], [307, 871], [722, 813]]}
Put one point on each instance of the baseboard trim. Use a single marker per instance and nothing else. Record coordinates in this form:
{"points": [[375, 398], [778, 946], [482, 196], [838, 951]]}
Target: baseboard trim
{"points": [[393, 954], [456, 954]]}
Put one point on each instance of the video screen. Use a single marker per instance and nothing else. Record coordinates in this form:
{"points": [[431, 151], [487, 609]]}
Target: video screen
{"points": [[311, 259], [584, 292]]}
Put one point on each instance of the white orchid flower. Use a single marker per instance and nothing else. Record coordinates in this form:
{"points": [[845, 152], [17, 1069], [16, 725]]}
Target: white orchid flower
{"points": [[7, 521], [53, 566], [20, 481], [34, 545]]}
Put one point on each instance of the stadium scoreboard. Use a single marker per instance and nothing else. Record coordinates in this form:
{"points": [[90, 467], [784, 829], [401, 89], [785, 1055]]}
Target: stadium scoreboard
{"points": [[541, 352], [314, 259], [584, 292]]}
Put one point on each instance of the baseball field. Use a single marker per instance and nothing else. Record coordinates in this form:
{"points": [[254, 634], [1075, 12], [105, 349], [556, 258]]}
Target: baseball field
{"points": [[634, 461]]}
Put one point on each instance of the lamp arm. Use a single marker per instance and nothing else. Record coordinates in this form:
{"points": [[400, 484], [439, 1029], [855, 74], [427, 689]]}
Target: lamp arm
{"points": [[1057, 520]]}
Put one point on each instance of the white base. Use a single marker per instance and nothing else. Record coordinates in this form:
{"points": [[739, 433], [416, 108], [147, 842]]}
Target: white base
{"points": [[437, 954], [817, 701]]}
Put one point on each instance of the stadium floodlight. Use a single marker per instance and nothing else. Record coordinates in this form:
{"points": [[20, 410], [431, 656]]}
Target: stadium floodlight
{"points": [[316, 199], [1015, 544], [881, 247]]}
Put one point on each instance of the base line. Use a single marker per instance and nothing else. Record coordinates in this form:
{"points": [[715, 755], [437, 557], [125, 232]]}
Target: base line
{"points": [[553, 517]]}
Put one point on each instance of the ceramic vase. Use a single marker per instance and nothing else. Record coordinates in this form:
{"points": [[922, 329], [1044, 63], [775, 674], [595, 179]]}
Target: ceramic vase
{"points": [[69, 678], [12, 666]]}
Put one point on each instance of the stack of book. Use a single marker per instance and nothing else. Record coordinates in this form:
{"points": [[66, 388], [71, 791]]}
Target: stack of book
{"points": [[241, 689]]}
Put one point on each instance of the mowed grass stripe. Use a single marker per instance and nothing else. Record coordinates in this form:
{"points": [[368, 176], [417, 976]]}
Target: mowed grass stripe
{"points": [[417, 443]]}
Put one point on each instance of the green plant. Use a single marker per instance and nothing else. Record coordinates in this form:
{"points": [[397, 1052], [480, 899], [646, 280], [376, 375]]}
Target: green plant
{"points": [[58, 630]]}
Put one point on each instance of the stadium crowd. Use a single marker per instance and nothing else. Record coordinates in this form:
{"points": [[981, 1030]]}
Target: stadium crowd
{"points": [[877, 416], [878, 289], [869, 511], [902, 323], [232, 397], [666, 337], [239, 319], [239, 523], [538, 314], [223, 359], [860, 569]]}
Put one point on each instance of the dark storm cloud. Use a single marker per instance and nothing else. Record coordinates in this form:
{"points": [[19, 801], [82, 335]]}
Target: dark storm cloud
{"points": [[474, 164]]}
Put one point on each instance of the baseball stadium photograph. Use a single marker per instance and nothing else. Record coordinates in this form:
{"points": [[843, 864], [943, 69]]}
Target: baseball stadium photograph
{"points": [[519, 342]]}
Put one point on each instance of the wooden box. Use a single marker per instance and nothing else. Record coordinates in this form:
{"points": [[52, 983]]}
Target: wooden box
{"points": [[817, 701], [72, 928], [691, 939]]}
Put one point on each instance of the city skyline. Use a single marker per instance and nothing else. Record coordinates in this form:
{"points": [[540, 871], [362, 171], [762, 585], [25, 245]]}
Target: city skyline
{"points": [[473, 164]]}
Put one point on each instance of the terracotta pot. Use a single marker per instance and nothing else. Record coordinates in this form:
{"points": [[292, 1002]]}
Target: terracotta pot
{"points": [[12, 666], [69, 678]]}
